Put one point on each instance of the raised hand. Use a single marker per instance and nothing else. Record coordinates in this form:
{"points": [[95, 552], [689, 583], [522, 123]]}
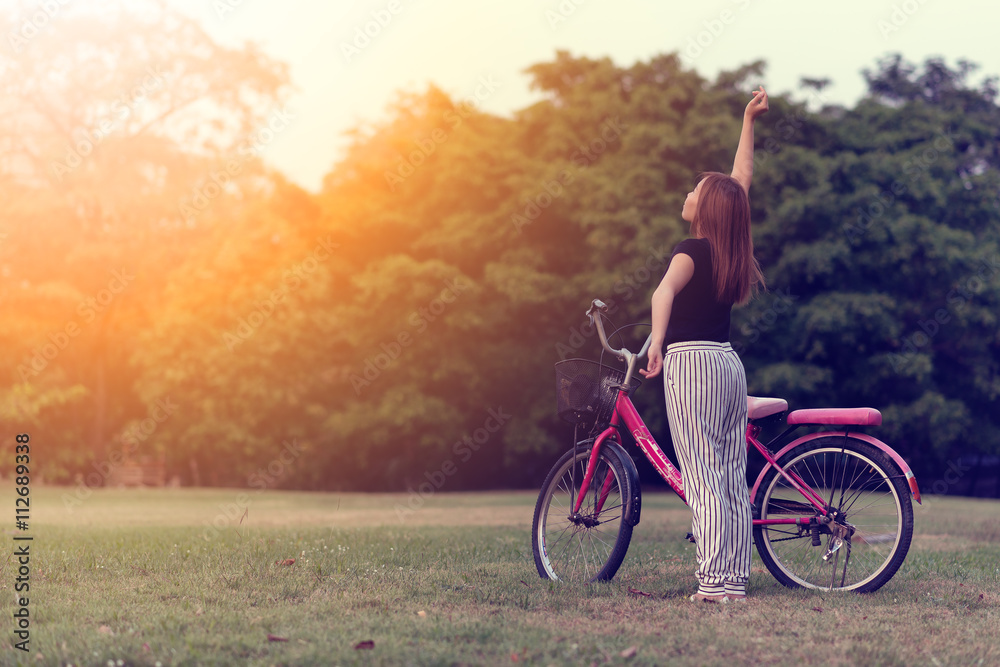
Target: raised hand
{"points": [[758, 105]]}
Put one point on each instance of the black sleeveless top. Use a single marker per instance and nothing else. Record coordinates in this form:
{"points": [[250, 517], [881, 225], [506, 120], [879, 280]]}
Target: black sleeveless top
{"points": [[695, 314]]}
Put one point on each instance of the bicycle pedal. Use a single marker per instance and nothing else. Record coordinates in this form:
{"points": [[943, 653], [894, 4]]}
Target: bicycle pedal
{"points": [[690, 538]]}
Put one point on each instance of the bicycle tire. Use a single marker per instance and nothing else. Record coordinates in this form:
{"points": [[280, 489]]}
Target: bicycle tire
{"points": [[866, 489], [567, 548]]}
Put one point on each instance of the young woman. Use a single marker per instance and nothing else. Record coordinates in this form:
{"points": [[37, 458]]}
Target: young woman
{"points": [[706, 387]]}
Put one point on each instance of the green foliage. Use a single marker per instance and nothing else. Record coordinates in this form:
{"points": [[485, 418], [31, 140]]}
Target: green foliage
{"points": [[407, 317]]}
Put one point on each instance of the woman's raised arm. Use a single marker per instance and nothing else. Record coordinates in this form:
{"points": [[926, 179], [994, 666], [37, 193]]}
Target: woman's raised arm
{"points": [[743, 165]]}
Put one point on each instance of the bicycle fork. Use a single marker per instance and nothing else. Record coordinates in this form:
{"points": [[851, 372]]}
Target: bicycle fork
{"points": [[631, 494], [588, 477]]}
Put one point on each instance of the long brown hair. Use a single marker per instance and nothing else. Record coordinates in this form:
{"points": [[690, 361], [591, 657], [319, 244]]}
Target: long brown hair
{"points": [[723, 218]]}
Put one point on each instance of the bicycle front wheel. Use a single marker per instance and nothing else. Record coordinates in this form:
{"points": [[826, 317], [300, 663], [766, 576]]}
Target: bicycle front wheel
{"points": [[867, 540], [588, 545]]}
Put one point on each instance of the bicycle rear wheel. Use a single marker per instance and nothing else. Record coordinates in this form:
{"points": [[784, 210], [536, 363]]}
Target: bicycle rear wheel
{"points": [[589, 545], [873, 517]]}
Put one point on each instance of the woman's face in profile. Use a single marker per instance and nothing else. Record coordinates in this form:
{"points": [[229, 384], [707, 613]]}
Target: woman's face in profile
{"points": [[691, 203]]}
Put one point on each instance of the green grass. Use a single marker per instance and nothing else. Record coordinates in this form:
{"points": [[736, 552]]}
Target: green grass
{"points": [[137, 576]]}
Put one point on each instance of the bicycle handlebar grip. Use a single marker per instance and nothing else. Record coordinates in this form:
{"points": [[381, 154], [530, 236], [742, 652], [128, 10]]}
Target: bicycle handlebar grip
{"points": [[596, 305], [599, 306]]}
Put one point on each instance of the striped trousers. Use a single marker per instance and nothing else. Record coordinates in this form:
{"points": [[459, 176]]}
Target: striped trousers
{"points": [[706, 396]]}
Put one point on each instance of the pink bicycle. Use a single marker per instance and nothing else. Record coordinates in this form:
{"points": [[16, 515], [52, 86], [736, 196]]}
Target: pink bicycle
{"points": [[831, 509]]}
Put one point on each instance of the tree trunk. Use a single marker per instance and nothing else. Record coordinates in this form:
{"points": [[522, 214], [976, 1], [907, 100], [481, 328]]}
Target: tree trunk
{"points": [[98, 445]]}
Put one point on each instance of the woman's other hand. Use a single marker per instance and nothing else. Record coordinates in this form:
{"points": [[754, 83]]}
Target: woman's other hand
{"points": [[654, 364]]}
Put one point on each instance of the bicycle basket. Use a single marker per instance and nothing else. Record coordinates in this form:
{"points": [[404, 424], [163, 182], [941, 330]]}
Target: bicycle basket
{"points": [[586, 390]]}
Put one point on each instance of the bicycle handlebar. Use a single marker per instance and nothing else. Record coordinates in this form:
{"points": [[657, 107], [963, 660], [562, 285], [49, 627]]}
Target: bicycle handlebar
{"points": [[598, 307]]}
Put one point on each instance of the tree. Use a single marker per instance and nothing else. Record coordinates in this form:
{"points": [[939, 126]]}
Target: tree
{"points": [[879, 225], [114, 119]]}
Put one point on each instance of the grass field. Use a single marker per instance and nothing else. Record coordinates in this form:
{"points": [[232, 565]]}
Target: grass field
{"points": [[186, 577]]}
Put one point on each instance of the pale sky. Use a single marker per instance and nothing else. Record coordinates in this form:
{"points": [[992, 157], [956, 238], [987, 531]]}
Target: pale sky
{"points": [[456, 44]]}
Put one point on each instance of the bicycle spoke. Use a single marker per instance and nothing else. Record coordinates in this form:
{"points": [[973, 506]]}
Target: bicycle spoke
{"points": [[593, 547], [608, 509], [854, 497], [816, 483], [583, 559], [594, 535], [847, 559], [562, 534], [871, 504]]}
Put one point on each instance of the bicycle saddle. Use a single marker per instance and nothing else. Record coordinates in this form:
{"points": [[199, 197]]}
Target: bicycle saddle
{"points": [[758, 408]]}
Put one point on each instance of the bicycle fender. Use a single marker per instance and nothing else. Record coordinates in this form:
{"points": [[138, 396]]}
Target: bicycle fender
{"points": [[864, 437], [634, 508]]}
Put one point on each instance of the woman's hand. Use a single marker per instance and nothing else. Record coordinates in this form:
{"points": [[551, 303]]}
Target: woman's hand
{"points": [[654, 364], [757, 106]]}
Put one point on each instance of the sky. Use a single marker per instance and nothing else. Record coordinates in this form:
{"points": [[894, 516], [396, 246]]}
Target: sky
{"points": [[349, 59]]}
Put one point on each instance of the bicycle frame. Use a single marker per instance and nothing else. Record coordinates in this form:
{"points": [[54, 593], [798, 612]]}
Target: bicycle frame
{"points": [[626, 414]]}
